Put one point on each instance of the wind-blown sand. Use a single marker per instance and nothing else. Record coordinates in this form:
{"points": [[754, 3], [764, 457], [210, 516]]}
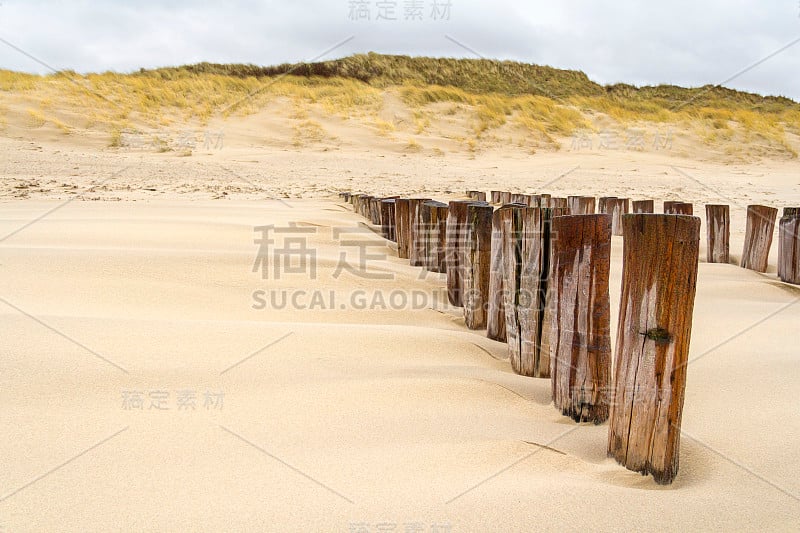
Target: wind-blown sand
{"points": [[335, 419]]}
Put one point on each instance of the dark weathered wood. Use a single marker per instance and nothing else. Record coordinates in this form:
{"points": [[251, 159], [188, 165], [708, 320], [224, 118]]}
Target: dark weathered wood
{"points": [[678, 208], [356, 201], [456, 226], [375, 210], [659, 280], [505, 197], [791, 211], [441, 218], [366, 205], [618, 207], [387, 218], [789, 247], [559, 203], [604, 205], [758, 237], [477, 195], [577, 323], [401, 224], [416, 248], [431, 226], [718, 233], [643, 207], [519, 198], [477, 264], [496, 313], [497, 196], [526, 273], [581, 205]]}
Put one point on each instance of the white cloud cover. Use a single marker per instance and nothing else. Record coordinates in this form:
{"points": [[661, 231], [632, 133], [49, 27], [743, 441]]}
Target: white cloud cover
{"points": [[683, 42]]}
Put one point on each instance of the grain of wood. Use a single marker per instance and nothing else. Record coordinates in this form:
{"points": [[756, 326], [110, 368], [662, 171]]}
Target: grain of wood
{"points": [[577, 320], [477, 266], [659, 280], [718, 233], [758, 237]]}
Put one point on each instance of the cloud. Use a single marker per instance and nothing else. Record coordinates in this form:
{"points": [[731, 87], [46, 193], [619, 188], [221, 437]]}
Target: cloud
{"points": [[690, 43]]}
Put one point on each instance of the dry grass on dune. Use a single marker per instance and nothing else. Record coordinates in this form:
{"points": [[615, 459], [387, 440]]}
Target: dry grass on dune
{"points": [[541, 104]]}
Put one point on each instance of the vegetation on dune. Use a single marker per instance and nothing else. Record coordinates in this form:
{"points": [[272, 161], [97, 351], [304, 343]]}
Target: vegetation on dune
{"points": [[542, 101]]}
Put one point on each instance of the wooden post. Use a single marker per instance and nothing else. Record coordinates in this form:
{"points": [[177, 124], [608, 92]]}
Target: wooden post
{"points": [[375, 211], [416, 248], [526, 274], [431, 226], [678, 208], [496, 314], [659, 281], [477, 264], [559, 203], [581, 205], [789, 246], [356, 201], [603, 205], [718, 233], [456, 225], [618, 207], [643, 207], [496, 196], [758, 237], [401, 220], [387, 218], [477, 196], [577, 323], [505, 197], [519, 199]]}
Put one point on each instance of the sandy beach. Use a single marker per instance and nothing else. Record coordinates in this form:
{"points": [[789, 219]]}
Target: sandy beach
{"points": [[145, 389]]}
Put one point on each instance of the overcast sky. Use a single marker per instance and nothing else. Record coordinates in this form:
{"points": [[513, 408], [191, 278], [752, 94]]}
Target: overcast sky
{"points": [[683, 42]]}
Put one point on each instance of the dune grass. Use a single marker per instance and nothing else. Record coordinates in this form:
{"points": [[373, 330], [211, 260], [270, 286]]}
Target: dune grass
{"points": [[541, 102]]}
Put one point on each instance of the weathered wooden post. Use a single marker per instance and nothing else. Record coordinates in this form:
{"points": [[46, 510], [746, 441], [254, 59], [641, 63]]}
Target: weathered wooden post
{"points": [[496, 196], [577, 323], [559, 203], [789, 246], [678, 208], [758, 237], [401, 220], [387, 218], [477, 196], [477, 264], [584, 205], [618, 207], [659, 280], [454, 263], [604, 204], [505, 197], [375, 210], [431, 227], [496, 317], [356, 200], [363, 205], [718, 233], [518, 198], [416, 248], [643, 207], [526, 273]]}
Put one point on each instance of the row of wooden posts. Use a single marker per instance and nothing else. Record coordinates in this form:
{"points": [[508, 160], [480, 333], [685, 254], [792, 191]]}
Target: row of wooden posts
{"points": [[535, 274], [759, 230]]}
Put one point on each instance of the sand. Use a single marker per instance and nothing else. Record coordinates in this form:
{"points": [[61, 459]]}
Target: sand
{"points": [[346, 419]]}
